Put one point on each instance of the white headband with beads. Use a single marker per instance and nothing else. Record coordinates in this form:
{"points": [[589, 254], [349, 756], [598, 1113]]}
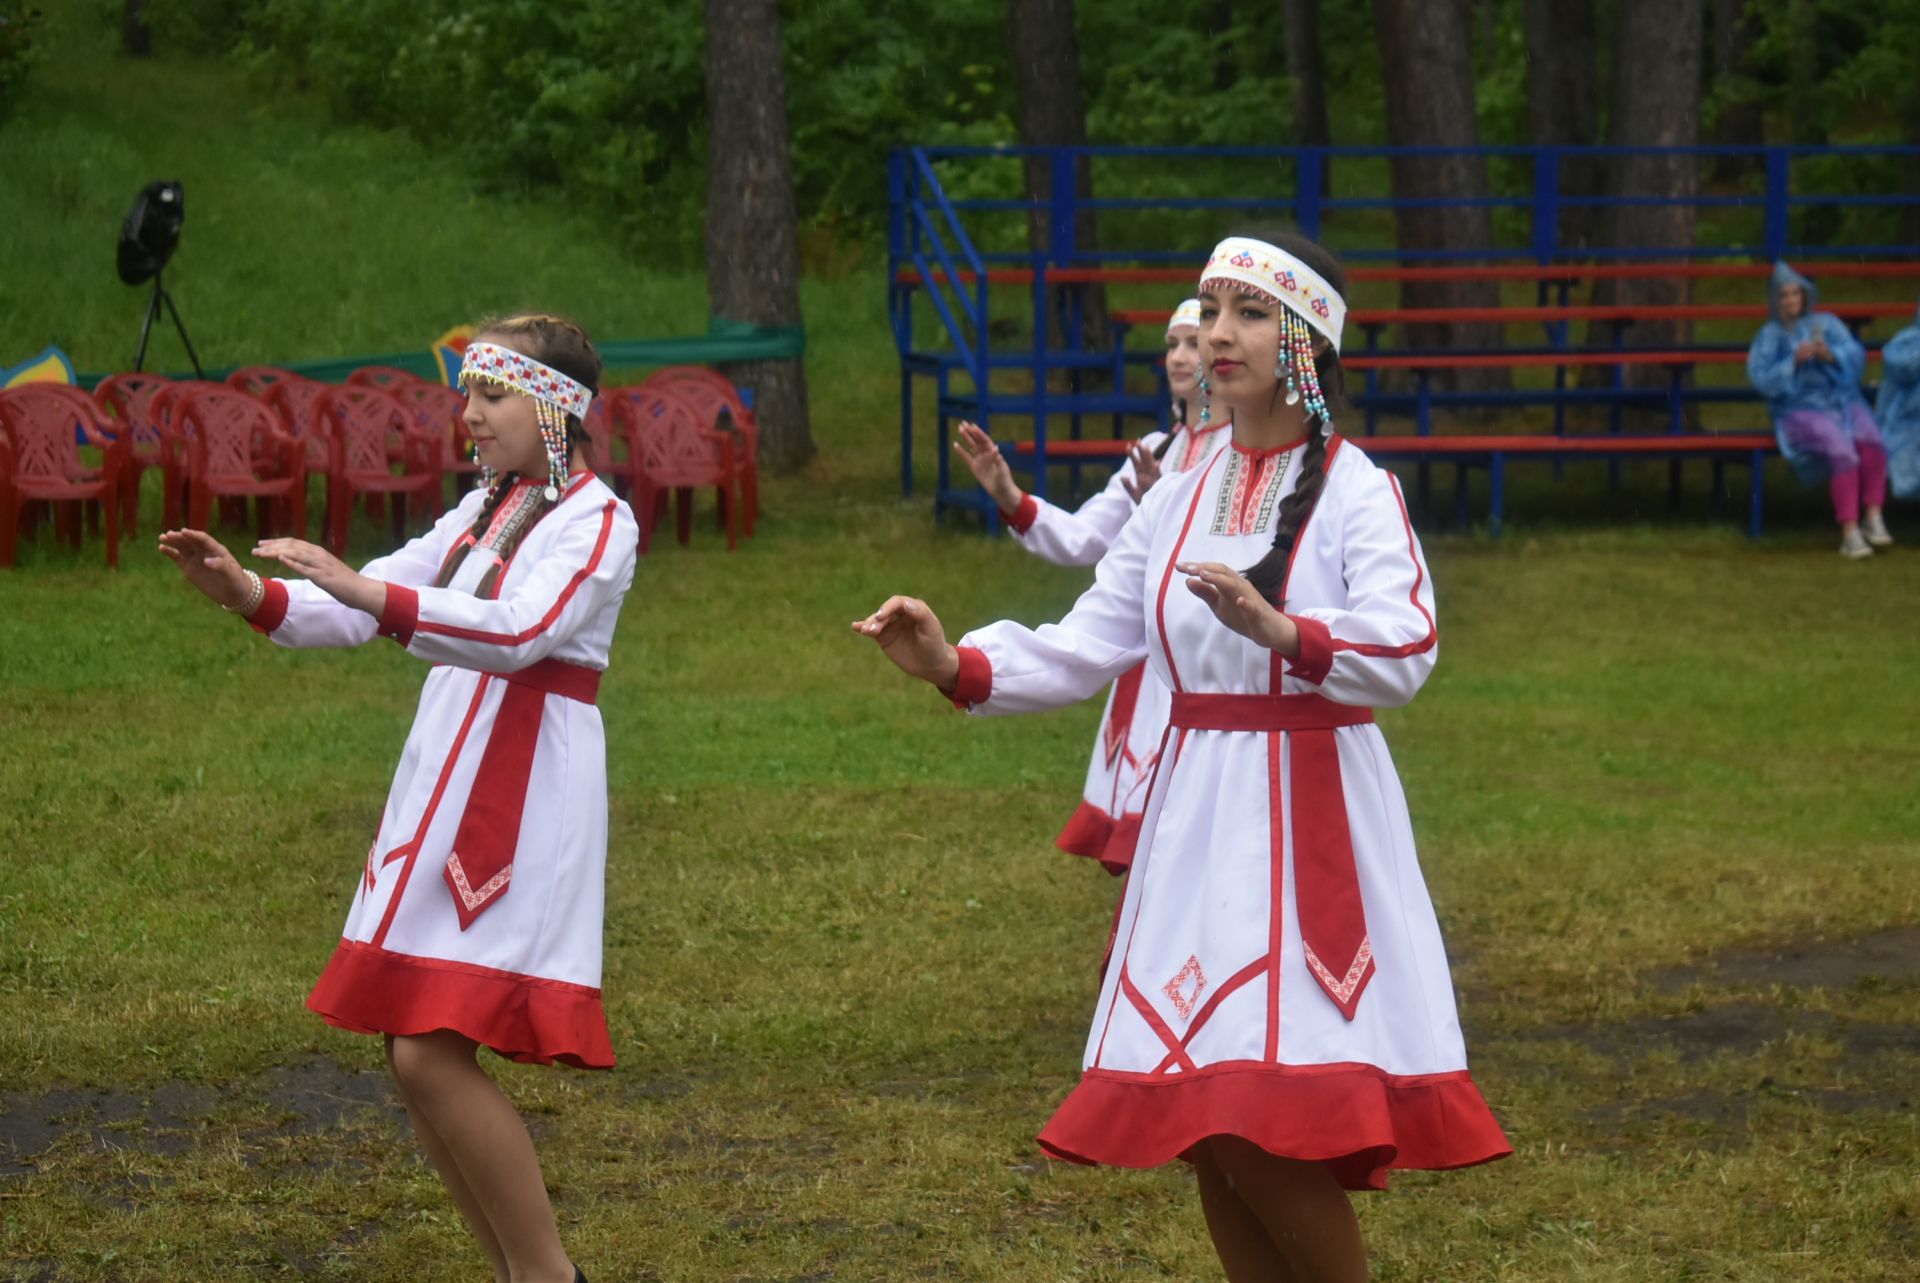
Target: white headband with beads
{"points": [[555, 396], [1273, 273], [1186, 316]]}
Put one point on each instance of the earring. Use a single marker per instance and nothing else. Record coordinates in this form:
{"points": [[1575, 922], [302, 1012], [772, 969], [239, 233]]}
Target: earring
{"points": [[1206, 400], [552, 421]]}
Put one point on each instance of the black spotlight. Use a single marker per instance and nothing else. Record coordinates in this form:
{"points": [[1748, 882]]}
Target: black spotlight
{"points": [[148, 238]]}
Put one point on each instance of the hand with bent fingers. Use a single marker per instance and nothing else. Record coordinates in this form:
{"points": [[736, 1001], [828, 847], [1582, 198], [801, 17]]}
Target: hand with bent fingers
{"points": [[1146, 471], [1239, 606], [207, 565], [989, 465], [327, 572], [910, 635]]}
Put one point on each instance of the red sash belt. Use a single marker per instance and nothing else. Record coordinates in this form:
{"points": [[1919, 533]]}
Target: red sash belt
{"points": [[1126, 697], [1333, 923], [480, 866]]}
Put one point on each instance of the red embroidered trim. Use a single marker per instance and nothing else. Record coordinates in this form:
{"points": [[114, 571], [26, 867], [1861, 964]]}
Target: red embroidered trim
{"points": [[580, 576], [272, 610], [1419, 577]]}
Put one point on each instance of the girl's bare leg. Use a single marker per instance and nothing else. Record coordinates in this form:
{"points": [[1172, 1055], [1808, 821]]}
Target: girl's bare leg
{"points": [[486, 1140], [442, 1160], [1308, 1218], [1239, 1237]]}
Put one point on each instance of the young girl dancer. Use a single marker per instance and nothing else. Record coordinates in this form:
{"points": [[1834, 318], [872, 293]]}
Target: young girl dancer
{"points": [[1807, 365], [1277, 1009], [477, 919], [1107, 822]]}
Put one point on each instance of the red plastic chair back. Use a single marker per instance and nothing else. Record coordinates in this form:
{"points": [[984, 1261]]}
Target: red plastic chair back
{"points": [[44, 423], [294, 400], [672, 443], [255, 379], [227, 431], [710, 393], [128, 399], [382, 376], [366, 425]]}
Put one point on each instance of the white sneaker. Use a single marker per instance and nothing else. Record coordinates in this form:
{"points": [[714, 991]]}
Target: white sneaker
{"points": [[1875, 529], [1854, 546]]}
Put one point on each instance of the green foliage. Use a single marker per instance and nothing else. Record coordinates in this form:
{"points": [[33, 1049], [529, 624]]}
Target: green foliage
{"points": [[17, 53]]}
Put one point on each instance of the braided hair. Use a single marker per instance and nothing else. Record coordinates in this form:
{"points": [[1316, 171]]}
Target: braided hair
{"points": [[1269, 575], [551, 340]]}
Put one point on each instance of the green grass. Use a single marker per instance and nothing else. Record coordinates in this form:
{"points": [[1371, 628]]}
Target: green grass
{"points": [[847, 975]]}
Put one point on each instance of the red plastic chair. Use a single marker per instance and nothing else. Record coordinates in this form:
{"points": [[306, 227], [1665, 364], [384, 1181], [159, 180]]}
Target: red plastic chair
{"points": [[128, 400], [40, 461], [164, 411], [712, 394], [294, 400], [385, 377], [365, 428], [236, 448], [673, 449], [256, 379], [439, 412]]}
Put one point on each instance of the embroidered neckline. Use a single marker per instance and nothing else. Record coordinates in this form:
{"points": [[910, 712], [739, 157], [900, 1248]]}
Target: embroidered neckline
{"points": [[1266, 451], [1250, 489]]}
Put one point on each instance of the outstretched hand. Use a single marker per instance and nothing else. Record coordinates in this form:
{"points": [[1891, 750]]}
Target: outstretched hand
{"points": [[909, 634], [208, 566], [1146, 471], [1238, 605], [327, 572], [988, 464]]}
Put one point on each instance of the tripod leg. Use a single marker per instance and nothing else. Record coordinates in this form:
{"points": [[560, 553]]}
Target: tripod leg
{"points": [[146, 326], [180, 325]]}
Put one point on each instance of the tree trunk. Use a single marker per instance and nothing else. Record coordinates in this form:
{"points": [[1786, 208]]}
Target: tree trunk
{"points": [[1740, 123], [1563, 104], [753, 257], [1305, 68], [1046, 75], [1426, 60], [1656, 103], [136, 38]]}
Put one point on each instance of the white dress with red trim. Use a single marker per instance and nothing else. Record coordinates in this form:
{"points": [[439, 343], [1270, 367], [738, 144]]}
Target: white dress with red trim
{"points": [[480, 906], [1277, 971], [1106, 824]]}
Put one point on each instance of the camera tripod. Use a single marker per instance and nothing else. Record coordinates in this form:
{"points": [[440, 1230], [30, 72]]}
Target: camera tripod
{"points": [[159, 296]]}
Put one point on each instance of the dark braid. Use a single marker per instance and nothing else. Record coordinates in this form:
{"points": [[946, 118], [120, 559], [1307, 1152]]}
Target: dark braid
{"points": [[1166, 443], [551, 340], [1269, 575]]}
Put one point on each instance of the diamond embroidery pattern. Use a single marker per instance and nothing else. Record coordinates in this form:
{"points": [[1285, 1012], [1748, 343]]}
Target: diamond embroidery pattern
{"points": [[1176, 988]]}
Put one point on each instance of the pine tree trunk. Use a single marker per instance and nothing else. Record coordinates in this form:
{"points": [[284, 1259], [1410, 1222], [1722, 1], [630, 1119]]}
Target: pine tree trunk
{"points": [[1046, 74], [1426, 58], [753, 257], [1563, 103], [1656, 103], [1305, 68], [136, 38]]}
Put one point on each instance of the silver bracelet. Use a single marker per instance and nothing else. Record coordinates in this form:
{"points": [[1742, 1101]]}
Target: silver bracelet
{"points": [[254, 598]]}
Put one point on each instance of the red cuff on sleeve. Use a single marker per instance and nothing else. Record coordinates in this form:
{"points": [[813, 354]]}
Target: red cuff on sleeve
{"points": [[1316, 650], [975, 681], [272, 610], [401, 613], [1021, 518]]}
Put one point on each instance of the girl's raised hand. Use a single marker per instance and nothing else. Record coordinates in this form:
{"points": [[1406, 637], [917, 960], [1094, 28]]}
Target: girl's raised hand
{"points": [[327, 572], [910, 635], [1239, 606], [1146, 471], [989, 465], [207, 565]]}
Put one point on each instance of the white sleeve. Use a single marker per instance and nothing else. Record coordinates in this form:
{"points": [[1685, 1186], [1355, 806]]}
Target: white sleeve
{"points": [[1080, 537], [1380, 648], [1010, 668], [590, 566], [298, 614]]}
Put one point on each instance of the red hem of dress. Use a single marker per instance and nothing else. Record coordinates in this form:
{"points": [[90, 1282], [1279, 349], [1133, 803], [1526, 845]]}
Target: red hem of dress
{"points": [[1093, 833], [530, 1019], [1357, 1120]]}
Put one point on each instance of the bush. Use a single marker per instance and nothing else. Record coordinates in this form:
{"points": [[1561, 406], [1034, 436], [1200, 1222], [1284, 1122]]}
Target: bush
{"points": [[17, 53]]}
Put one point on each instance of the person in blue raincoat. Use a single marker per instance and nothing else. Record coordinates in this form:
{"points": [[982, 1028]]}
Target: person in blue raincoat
{"points": [[1807, 365], [1898, 410]]}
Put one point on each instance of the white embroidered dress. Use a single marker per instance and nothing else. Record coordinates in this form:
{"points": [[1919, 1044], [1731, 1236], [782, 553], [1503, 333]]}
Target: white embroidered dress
{"points": [[1106, 824], [1277, 971], [480, 906]]}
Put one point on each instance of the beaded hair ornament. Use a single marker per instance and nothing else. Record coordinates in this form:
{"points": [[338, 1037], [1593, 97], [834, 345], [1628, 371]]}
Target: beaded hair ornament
{"points": [[555, 396], [1307, 305]]}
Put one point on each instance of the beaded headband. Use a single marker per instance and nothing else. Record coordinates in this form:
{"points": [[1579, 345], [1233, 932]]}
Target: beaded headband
{"points": [[1272, 273], [1187, 315], [555, 396], [516, 370]]}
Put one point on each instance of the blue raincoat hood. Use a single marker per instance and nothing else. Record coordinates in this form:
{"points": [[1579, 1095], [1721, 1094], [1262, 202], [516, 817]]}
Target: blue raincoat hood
{"points": [[1784, 276]]}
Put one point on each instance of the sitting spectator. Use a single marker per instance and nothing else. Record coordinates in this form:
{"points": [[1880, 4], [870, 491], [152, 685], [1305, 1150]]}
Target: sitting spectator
{"points": [[1807, 365], [1898, 411]]}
